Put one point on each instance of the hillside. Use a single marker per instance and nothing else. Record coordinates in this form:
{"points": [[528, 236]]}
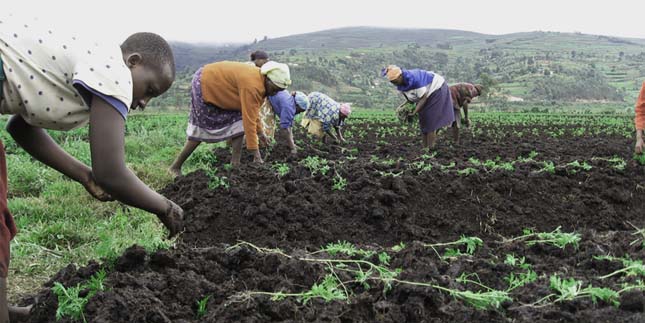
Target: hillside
{"points": [[534, 66]]}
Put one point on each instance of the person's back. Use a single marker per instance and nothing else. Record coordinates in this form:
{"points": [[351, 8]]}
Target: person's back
{"points": [[46, 72], [225, 84]]}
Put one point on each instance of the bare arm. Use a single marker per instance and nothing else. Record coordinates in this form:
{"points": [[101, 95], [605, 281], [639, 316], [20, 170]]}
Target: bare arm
{"points": [[288, 135], [421, 103], [38, 143], [107, 131], [340, 134]]}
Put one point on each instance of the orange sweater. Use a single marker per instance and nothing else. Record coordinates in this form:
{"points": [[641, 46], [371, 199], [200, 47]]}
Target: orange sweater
{"points": [[236, 86], [639, 110]]}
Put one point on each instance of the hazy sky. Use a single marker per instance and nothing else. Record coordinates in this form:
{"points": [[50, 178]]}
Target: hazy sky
{"points": [[245, 20]]}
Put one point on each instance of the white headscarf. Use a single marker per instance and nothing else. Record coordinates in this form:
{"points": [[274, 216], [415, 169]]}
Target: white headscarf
{"points": [[278, 73]]}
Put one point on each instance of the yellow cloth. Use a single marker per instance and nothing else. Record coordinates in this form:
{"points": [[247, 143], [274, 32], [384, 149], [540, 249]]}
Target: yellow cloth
{"points": [[236, 86], [267, 116], [313, 127], [278, 73], [393, 72]]}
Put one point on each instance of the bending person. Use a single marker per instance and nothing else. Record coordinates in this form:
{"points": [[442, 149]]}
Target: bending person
{"points": [[429, 91], [226, 98]]}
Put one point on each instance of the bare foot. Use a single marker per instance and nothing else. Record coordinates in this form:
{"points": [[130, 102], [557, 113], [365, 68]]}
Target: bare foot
{"points": [[174, 171], [19, 314]]}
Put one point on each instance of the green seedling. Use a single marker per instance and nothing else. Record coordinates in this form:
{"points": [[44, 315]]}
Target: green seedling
{"points": [[399, 247], [339, 183], [344, 247], [449, 166], [630, 267], [215, 181], [333, 289], [549, 167], [281, 168], [555, 238], [201, 306], [576, 165], [640, 158], [518, 280], [329, 290], [429, 156], [316, 165], [641, 236], [570, 289], [471, 244], [467, 171], [616, 162], [70, 303]]}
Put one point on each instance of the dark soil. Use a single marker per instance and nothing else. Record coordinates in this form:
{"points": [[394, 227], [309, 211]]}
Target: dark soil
{"points": [[385, 202]]}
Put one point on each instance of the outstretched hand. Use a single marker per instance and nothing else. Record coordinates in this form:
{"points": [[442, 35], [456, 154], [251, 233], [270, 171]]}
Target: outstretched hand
{"points": [[638, 149], [173, 219]]}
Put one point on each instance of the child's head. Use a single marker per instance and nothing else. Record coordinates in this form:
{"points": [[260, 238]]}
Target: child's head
{"points": [[152, 65], [259, 58]]}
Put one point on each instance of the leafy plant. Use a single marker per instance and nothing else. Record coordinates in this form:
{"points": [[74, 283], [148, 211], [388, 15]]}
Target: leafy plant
{"points": [[467, 171], [570, 289], [576, 165], [471, 244], [70, 303], [201, 306], [630, 267], [555, 238], [316, 165], [399, 247], [549, 167], [339, 183], [640, 158], [215, 181], [281, 168]]}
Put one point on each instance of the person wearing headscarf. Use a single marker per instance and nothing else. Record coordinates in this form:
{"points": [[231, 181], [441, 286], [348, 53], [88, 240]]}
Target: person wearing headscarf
{"points": [[286, 105], [324, 114], [226, 98], [462, 94], [429, 92]]}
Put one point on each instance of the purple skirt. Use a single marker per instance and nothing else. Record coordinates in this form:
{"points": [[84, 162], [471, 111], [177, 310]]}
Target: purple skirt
{"points": [[207, 122], [438, 111]]}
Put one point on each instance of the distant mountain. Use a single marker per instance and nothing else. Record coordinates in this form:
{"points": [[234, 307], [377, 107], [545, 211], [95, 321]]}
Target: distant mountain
{"points": [[370, 37], [534, 66]]}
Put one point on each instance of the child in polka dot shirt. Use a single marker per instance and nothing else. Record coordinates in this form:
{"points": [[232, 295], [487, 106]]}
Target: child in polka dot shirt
{"points": [[61, 82]]}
